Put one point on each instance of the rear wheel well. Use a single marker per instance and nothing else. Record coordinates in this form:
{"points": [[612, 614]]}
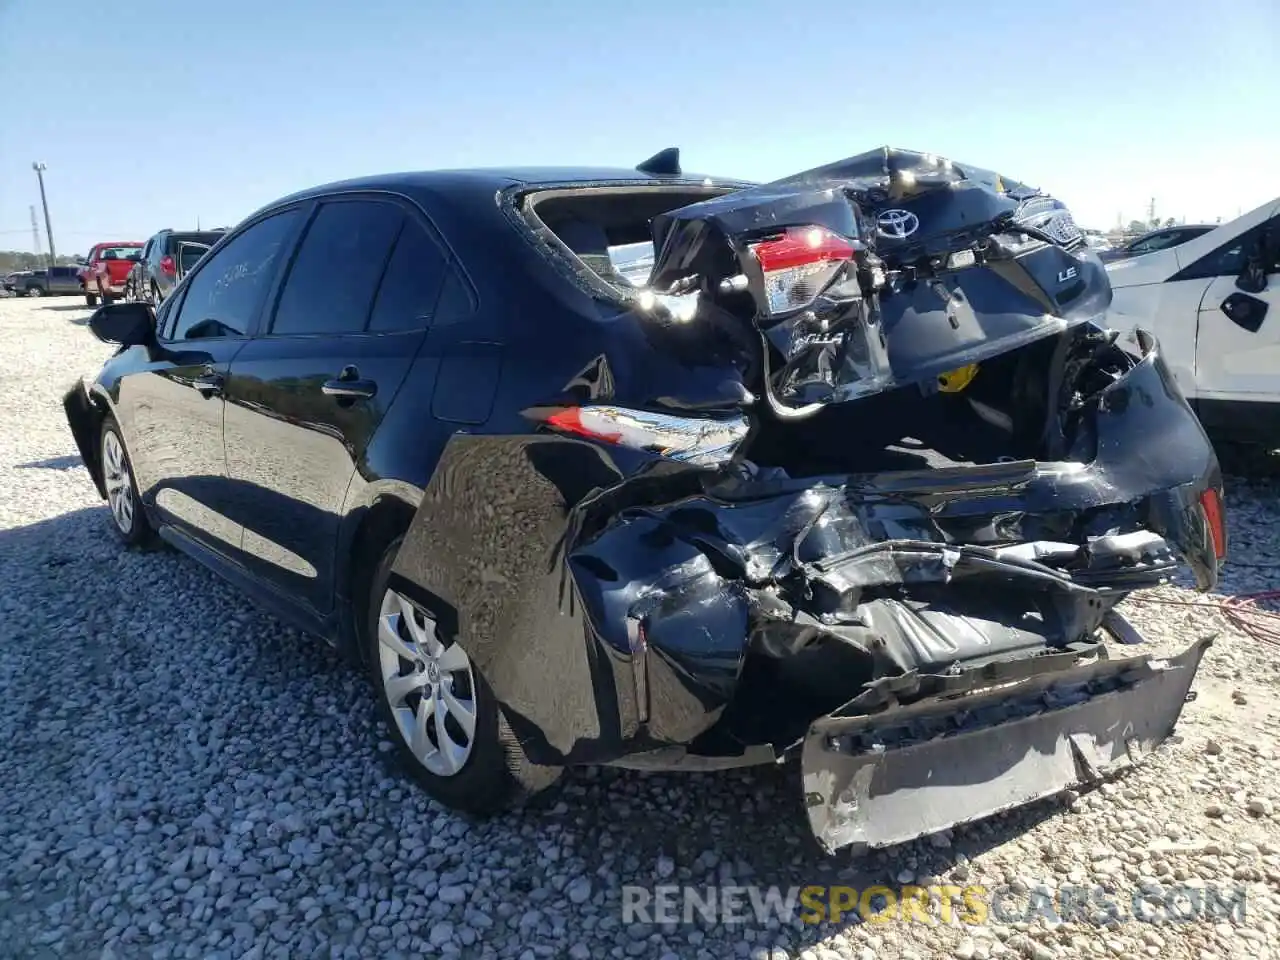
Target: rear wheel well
{"points": [[387, 518]]}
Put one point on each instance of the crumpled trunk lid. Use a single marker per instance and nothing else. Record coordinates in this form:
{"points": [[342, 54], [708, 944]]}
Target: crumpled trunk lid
{"points": [[951, 265]]}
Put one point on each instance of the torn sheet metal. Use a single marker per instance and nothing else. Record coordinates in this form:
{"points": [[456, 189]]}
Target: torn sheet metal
{"points": [[905, 772], [953, 265]]}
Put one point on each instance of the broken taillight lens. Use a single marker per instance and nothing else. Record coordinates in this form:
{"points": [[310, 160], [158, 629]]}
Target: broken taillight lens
{"points": [[1211, 504], [799, 265], [701, 441]]}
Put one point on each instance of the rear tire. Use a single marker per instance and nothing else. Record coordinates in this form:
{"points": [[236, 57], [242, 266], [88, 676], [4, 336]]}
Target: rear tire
{"points": [[490, 773], [128, 519]]}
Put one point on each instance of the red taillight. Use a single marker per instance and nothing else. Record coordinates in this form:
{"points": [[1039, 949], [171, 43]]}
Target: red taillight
{"points": [[798, 265], [703, 441], [1211, 504], [569, 420], [167, 265]]}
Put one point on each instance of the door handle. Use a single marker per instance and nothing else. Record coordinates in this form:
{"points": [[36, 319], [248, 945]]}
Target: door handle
{"points": [[348, 385], [209, 383]]}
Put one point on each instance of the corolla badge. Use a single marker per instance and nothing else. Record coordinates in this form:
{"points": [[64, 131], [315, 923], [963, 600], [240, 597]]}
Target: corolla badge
{"points": [[897, 224]]}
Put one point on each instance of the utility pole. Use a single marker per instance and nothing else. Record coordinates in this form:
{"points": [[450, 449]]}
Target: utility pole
{"points": [[35, 232], [1151, 212], [40, 168]]}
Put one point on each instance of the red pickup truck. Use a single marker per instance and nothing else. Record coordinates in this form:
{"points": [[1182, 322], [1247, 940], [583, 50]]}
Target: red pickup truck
{"points": [[108, 268]]}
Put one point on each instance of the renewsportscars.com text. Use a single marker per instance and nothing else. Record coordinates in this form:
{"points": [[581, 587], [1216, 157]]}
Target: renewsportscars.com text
{"points": [[972, 905]]}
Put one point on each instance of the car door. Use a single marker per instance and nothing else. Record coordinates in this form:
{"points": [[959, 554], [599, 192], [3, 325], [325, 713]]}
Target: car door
{"points": [[141, 270], [1238, 321], [186, 256], [175, 405], [304, 398]]}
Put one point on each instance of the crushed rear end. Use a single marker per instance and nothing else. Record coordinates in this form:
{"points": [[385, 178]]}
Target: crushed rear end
{"points": [[884, 529]]}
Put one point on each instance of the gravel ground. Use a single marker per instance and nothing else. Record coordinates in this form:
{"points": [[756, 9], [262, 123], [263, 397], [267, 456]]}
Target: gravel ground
{"points": [[184, 777]]}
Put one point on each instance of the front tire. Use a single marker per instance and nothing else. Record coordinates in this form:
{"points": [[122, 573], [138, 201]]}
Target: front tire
{"points": [[35, 292], [442, 714], [128, 519]]}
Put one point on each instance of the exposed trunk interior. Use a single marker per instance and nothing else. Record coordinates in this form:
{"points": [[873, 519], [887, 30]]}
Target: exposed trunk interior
{"points": [[1004, 413], [999, 416]]}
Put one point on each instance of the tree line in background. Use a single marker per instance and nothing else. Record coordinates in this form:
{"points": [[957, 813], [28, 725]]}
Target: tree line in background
{"points": [[1138, 227], [11, 260]]}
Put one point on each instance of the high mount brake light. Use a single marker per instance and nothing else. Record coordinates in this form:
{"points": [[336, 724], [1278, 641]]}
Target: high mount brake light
{"points": [[799, 265], [701, 441]]}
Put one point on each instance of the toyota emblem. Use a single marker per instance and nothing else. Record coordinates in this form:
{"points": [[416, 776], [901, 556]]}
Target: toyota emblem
{"points": [[897, 224]]}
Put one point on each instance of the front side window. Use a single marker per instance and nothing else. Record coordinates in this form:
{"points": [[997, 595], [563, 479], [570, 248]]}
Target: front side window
{"points": [[223, 297], [331, 284], [1157, 241]]}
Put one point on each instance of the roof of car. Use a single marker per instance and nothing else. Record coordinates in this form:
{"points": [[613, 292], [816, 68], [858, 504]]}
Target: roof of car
{"points": [[499, 178], [1182, 226]]}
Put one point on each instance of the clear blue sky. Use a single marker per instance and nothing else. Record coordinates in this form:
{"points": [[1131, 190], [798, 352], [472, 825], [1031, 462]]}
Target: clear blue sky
{"points": [[149, 115]]}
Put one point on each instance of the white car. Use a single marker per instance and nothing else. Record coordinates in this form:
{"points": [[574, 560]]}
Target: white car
{"points": [[1097, 241], [1214, 304]]}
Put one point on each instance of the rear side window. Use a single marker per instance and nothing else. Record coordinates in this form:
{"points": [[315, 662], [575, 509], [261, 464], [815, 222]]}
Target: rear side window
{"points": [[411, 283], [120, 253], [331, 285]]}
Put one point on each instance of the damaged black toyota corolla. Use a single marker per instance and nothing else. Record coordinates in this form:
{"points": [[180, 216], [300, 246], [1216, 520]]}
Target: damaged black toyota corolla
{"points": [[664, 471]]}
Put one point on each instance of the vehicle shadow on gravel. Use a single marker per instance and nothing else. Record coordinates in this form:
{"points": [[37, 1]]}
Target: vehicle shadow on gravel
{"points": [[752, 818], [64, 307], [69, 462]]}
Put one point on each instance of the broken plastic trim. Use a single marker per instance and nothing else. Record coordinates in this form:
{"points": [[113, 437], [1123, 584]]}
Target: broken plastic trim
{"points": [[908, 771]]}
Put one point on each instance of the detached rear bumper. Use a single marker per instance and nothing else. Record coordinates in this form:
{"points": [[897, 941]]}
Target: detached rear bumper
{"points": [[979, 745]]}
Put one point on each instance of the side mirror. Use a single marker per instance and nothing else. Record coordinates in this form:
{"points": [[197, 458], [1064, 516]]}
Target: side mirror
{"points": [[1253, 278], [128, 324], [1245, 312]]}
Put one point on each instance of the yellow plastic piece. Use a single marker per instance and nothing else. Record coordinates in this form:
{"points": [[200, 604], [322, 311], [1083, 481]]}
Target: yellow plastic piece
{"points": [[953, 381]]}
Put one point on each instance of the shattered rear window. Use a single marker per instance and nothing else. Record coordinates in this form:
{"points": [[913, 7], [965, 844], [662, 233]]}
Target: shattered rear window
{"points": [[633, 261], [608, 229]]}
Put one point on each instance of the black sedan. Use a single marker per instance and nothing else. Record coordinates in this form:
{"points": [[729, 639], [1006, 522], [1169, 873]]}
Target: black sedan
{"points": [[660, 470]]}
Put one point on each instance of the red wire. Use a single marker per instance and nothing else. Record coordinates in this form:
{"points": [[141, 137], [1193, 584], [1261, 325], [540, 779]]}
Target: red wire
{"points": [[1241, 610]]}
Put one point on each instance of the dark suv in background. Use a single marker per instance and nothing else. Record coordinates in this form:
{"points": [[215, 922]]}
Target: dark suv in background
{"points": [[51, 282], [165, 259]]}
